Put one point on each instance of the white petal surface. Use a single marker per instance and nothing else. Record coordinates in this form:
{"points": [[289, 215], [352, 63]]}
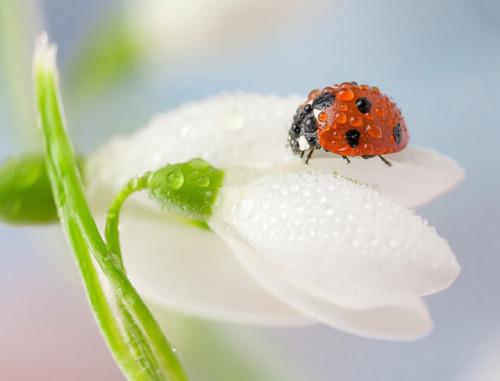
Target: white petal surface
{"points": [[251, 130], [416, 177], [402, 319], [337, 240], [192, 270]]}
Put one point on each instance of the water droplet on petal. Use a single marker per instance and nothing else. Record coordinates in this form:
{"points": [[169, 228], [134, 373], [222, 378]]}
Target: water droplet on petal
{"points": [[245, 208]]}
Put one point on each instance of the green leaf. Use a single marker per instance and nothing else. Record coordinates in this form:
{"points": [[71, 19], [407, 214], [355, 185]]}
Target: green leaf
{"points": [[25, 193], [133, 336]]}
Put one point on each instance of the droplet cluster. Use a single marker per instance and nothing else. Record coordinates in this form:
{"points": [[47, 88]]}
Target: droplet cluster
{"points": [[341, 239], [236, 129], [359, 121], [186, 189]]}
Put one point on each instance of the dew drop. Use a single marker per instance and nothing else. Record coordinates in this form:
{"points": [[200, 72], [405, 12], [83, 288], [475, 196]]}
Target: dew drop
{"points": [[340, 117], [374, 131], [322, 117], [356, 121], [198, 163], [203, 182], [134, 182], [245, 208], [345, 95], [175, 179]]}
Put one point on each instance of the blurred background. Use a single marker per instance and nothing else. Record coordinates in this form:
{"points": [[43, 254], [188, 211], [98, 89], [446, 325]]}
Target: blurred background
{"points": [[123, 61]]}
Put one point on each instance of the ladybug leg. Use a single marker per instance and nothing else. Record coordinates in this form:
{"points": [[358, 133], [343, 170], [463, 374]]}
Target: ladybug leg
{"points": [[346, 158], [387, 162], [366, 156], [302, 154], [309, 156]]}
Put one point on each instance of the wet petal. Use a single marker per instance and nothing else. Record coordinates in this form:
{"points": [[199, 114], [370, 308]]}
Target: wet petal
{"points": [[188, 269], [417, 175], [402, 319], [337, 240], [228, 129], [251, 130]]}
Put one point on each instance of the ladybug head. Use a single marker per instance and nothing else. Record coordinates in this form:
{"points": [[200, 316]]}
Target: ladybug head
{"points": [[302, 134]]}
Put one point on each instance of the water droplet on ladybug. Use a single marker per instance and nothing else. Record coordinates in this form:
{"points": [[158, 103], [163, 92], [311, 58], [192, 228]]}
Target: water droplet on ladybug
{"points": [[345, 95], [323, 116], [340, 117], [356, 121], [373, 131]]}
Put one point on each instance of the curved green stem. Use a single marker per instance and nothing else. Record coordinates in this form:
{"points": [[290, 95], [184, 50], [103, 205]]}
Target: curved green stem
{"points": [[134, 337], [112, 233]]}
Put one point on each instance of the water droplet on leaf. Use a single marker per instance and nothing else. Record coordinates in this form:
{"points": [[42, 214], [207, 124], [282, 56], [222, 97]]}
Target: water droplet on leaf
{"points": [[175, 179]]}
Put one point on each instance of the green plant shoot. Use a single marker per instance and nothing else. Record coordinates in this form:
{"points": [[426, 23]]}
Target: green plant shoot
{"points": [[186, 189], [133, 336]]}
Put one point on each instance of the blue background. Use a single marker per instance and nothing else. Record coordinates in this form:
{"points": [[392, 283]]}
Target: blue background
{"points": [[440, 61]]}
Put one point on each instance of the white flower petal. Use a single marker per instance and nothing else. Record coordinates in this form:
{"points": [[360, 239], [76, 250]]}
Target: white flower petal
{"points": [[186, 268], [337, 240], [251, 130], [402, 319], [417, 175], [228, 129]]}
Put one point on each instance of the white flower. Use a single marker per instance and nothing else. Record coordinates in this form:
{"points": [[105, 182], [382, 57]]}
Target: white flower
{"points": [[180, 29], [290, 243]]}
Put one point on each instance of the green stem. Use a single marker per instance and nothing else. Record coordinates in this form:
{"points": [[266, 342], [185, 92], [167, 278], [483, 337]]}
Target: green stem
{"points": [[134, 337], [112, 222]]}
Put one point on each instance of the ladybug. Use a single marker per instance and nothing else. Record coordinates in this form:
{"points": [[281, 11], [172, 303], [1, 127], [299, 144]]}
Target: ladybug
{"points": [[348, 120]]}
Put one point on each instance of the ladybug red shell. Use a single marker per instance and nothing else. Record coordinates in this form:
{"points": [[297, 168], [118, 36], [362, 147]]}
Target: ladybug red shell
{"points": [[349, 120]]}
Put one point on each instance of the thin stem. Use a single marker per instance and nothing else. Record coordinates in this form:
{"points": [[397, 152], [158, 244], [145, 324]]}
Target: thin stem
{"points": [[112, 232], [134, 337]]}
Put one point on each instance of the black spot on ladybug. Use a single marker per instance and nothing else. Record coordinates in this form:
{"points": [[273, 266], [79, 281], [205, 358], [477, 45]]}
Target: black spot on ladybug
{"points": [[307, 108], [354, 83], [323, 101], [364, 105], [352, 137], [310, 125], [397, 133]]}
